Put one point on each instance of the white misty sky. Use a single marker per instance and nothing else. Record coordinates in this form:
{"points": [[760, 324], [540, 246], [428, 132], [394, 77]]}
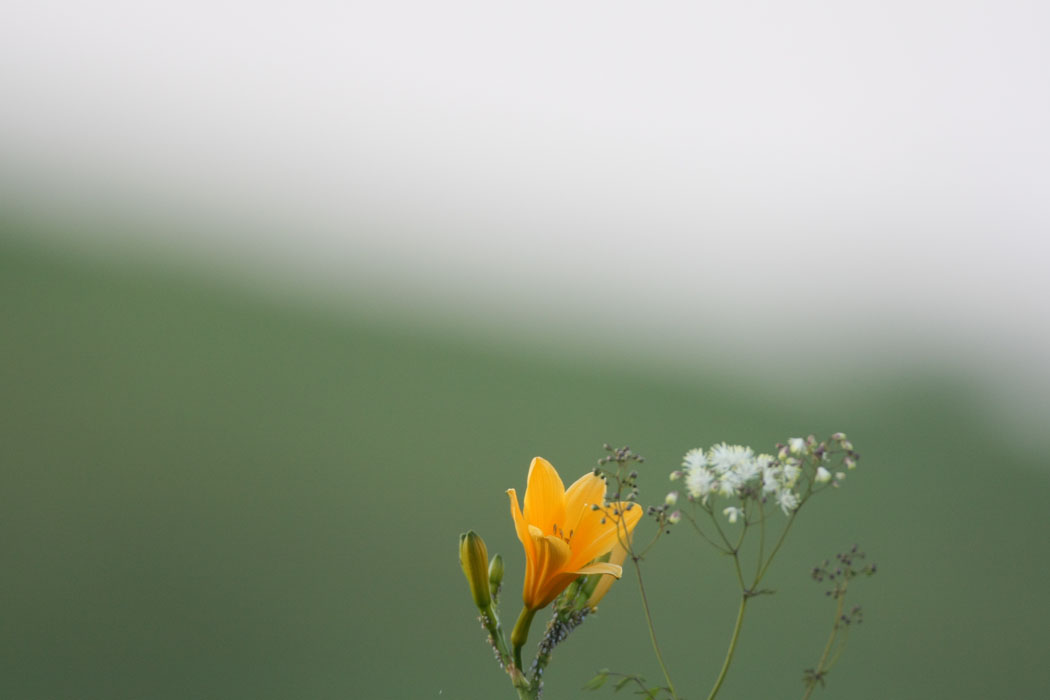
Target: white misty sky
{"points": [[702, 170]]}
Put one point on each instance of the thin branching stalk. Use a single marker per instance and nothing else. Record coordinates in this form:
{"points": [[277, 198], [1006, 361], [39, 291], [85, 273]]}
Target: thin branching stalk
{"points": [[776, 548], [761, 540], [747, 593], [824, 664], [652, 629], [692, 521], [732, 647]]}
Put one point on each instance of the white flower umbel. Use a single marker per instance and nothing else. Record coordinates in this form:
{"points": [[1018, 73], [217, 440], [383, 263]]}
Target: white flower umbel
{"points": [[747, 491], [735, 472]]}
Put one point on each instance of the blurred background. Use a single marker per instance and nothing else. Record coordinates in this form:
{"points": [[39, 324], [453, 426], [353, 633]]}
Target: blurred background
{"points": [[290, 295]]}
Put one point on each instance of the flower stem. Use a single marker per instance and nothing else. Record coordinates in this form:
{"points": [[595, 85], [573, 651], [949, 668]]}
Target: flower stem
{"points": [[821, 669], [520, 634], [780, 541], [490, 618], [732, 647], [652, 630]]}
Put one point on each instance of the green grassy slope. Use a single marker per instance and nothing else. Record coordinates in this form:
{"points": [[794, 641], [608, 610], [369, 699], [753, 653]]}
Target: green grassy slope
{"points": [[207, 496]]}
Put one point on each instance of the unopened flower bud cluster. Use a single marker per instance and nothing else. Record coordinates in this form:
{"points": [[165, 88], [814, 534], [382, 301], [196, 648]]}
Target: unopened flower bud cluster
{"points": [[847, 565], [800, 466]]}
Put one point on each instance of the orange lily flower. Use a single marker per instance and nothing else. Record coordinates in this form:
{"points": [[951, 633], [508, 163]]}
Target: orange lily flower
{"points": [[562, 534]]}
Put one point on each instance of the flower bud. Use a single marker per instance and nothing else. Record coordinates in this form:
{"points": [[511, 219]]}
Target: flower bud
{"points": [[474, 559], [672, 498], [495, 574], [590, 582], [675, 517], [823, 475], [603, 582]]}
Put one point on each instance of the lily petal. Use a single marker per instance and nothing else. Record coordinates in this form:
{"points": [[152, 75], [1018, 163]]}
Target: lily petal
{"points": [[601, 567], [589, 489], [551, 554], [597, 538], [544, 497], [520, 525]]}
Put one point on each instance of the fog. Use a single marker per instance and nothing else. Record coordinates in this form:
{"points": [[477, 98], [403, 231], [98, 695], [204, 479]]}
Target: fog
{"points": [[821, 180]]}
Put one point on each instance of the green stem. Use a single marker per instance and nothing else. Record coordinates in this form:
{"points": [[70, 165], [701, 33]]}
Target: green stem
{"points": [[839, 648], [692, 521], [761, 541], [820, 670], [732, 647], [721, 533], [776, 548], [652, 630], [520, 634], [746, 593], [491, 621]]}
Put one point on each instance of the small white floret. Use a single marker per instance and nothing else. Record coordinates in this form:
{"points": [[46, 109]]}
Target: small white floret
{"points": [[771, 478], [729, 484], [700, 482], [747, 470], [788, 501], [694, 459], [724, 458], [732, 512]]}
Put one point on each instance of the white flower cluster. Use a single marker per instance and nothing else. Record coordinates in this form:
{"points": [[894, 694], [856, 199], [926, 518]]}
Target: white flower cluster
{"points": [[733, 471]]}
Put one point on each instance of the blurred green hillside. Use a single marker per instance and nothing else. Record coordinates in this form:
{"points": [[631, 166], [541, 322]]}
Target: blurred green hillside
{"points": [[209, 495]]}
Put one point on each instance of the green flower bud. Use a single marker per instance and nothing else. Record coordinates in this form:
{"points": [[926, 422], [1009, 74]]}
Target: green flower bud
{"points": [[474, 559], [495, 574]]}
